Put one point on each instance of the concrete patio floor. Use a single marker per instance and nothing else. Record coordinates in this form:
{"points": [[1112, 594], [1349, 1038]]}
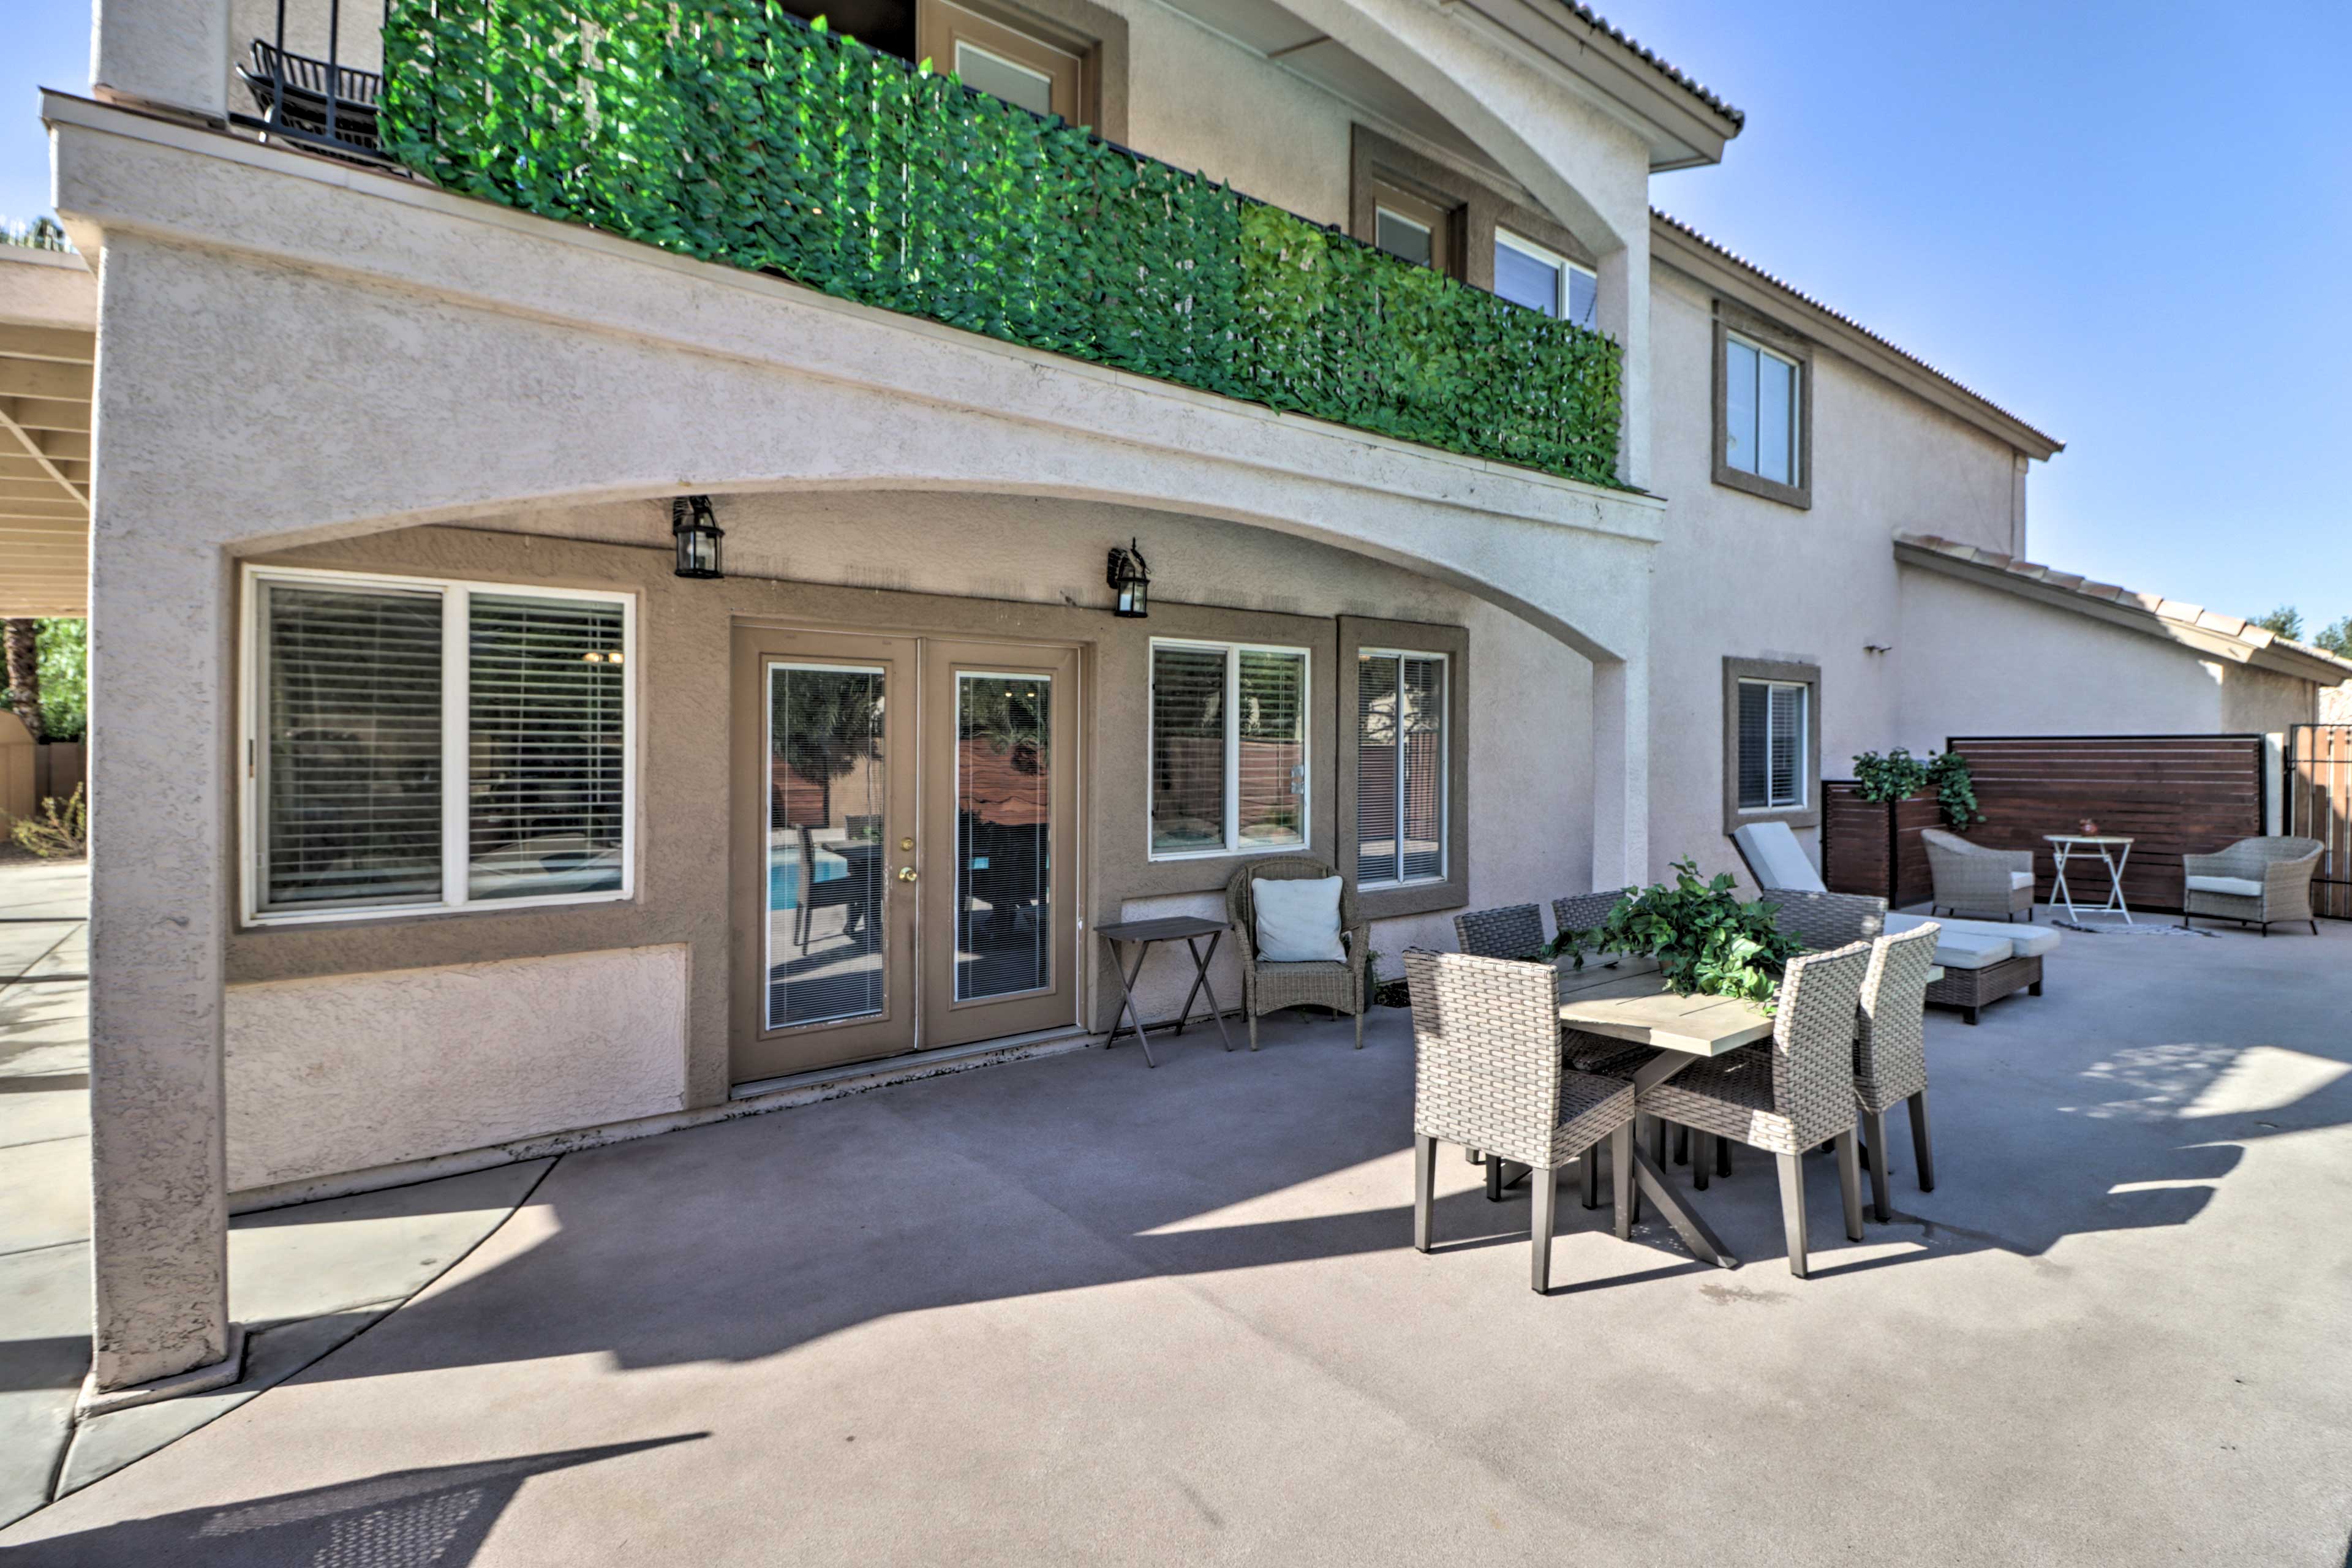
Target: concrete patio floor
{"points": [[1073, 1310]]}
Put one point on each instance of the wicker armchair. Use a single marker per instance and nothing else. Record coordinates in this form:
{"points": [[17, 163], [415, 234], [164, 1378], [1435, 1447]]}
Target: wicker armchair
{"points": [[1976, 882], [2254, 881], [1890, 1052], [1487, 1074], [1270, 987], [1788, 1097]]}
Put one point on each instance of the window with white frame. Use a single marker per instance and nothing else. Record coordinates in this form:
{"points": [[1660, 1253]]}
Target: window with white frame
{"points": [[415, 745], [1401, 802], [1772, 729], [1762, 407], [1228, 748], [1527, 274]]}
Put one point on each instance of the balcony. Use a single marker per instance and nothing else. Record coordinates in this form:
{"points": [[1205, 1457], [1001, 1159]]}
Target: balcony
{"points": [[750, 139]]}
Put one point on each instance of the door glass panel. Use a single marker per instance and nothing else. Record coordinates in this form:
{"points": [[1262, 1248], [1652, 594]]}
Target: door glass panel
{"points": [[826, 844], [1004, 904]]}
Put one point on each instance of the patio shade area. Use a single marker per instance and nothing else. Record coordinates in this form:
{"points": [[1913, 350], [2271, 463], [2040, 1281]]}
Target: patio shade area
{"points": [[1075, 1310], [47, 362]]}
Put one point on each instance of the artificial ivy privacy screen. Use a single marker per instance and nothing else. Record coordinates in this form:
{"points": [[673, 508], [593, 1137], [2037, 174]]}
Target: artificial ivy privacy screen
{"points": [[731, 132]]}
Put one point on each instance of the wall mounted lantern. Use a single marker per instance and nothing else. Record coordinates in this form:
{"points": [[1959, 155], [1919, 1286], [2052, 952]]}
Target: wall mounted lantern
{"points": [[697, 534], [1130, 579]]}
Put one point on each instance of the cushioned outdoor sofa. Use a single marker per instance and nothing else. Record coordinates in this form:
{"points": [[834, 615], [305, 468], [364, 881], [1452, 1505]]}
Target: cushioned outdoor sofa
{"points": [[1982, 961]]}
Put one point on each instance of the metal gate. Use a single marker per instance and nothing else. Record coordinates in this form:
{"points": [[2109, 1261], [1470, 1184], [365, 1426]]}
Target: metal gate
{"points": [[2319, 806]]}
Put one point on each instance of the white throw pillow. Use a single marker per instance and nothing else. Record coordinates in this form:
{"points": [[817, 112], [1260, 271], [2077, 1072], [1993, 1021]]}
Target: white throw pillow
{"points": [[1298, 920]]}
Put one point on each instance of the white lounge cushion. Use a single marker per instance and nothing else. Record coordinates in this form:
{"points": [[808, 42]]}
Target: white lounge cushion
{"points": [[2031, 941], [1298, 920], [1777, 859], [2025, 939], [2235, 887], [2020, 880], [1963, 944]]}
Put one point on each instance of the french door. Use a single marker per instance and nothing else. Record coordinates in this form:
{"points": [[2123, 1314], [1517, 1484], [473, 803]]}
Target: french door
{"points": [[904, 873]]}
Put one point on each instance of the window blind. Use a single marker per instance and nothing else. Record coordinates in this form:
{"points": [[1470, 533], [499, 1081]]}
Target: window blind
{"points": [[1271, 768], [1773, 724], [545, 794], [1788, 764], [1188, 749], [386, 777], [1755, 731], [351, 747]]}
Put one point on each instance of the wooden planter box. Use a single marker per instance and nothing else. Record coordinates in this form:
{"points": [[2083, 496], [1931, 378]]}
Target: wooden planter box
{"points": [[1873, 847]]}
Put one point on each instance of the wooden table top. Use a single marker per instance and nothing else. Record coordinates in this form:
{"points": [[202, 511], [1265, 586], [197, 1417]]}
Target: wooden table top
{"points": [[2087, 838], [1628, 1002]]}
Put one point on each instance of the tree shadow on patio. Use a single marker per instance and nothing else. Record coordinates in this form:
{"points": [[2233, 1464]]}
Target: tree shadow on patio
{"points": [[404, 1519]]}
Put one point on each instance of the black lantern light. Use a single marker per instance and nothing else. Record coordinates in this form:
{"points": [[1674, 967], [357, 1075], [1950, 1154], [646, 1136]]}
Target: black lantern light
{"points": [[697, 534], [1131, 580]]}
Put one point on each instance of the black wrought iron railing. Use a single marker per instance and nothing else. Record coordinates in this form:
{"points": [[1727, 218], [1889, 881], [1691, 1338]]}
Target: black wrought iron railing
{"points": [[325, 103]]}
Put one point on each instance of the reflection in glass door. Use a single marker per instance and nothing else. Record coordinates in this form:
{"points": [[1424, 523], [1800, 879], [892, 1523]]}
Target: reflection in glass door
{"points": [[827, 786], [1003, 827]]}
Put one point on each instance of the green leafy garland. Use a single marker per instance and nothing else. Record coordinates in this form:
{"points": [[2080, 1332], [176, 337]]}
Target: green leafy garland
{"points": [[731, 132], [1707, 940], [1899, 775]]}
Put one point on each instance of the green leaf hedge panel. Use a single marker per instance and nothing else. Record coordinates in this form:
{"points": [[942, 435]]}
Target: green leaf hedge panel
{"points": [[729, 130]]}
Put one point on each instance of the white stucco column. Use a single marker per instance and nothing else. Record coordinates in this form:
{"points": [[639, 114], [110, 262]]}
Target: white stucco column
{"points": [[162, 51], [1621, 772], [161, 691]]}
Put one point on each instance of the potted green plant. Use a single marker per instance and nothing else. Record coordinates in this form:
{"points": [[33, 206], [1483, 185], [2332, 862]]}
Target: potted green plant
{"points": [[1707, 940], [1869, 830]]}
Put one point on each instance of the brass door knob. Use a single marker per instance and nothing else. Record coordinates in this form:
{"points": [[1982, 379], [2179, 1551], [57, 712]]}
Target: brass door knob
{"points": [[906, 873]]}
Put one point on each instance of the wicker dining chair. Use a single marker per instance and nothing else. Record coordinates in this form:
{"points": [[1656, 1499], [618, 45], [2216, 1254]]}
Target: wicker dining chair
{"points": [[1790, 1096], [1515, 931], [1976, 882], [2254, 883], [1890, 1053], [1487, 1074], [1270, 987], [1824, 920]]}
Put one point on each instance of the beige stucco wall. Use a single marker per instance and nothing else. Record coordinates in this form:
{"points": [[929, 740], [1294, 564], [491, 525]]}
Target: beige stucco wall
{"points": [[373, 1068], [2036, 670], [1742, 576]]}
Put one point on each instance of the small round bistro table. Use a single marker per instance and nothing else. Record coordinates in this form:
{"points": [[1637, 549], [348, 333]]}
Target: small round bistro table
{"points": [[2111, 850]]}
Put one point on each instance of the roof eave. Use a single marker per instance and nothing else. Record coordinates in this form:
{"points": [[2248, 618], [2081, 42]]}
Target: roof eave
{"points": [[1717, 269], [2277, 656], [1682, 126]]}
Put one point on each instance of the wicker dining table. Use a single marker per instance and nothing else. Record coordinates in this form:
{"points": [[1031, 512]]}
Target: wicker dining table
{"points": [[1628, 1000]]}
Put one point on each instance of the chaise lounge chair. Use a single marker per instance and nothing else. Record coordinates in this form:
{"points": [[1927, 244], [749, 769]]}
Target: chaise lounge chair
{"points": [[1982, 961]]}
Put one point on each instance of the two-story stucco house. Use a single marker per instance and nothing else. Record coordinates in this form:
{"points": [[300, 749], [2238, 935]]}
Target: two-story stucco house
{"points": [[459, 793]]}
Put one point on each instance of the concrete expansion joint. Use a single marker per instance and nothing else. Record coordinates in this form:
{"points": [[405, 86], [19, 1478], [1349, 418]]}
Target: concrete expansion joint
{"points": [[95, 1402]]}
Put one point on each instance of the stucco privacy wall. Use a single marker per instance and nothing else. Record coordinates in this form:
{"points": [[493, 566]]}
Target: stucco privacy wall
{"points": [[357, 1071], [1752, 578], [2034, 669]]}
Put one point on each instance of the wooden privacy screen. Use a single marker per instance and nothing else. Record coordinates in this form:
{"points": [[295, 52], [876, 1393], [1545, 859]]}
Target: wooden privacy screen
{"points": [[2175, 794], [2319, 806], [1873, 847]]}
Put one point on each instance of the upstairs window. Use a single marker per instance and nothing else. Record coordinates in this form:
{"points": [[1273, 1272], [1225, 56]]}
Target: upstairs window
{"points": [[1763, 408], [1228, 749], [1019, 65], [1401, 768], [1412, 227], [415, 745], [1772, 729], [1527, 274]]}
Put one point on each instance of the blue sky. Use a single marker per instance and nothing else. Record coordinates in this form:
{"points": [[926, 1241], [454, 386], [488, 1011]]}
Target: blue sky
{"points": [[2130, 224]]}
